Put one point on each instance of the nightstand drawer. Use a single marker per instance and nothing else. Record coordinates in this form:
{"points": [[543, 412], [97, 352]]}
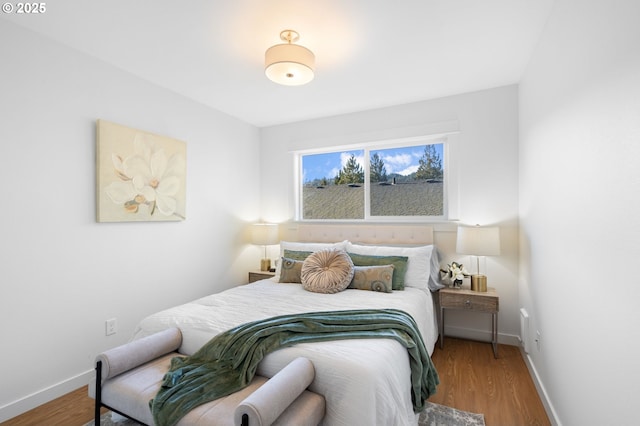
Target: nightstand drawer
{"points": [[260, 275], [464, 300]]}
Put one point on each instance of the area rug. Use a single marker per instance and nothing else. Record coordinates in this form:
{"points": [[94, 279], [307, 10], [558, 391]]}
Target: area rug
{"points": [[439, 415], [433, 415]]}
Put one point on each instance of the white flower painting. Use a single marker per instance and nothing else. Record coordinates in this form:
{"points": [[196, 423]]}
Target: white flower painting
{"points": [[141, 176]]}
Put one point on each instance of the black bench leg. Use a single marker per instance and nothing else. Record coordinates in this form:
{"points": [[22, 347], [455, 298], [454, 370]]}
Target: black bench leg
{"points": [[98, 392]]}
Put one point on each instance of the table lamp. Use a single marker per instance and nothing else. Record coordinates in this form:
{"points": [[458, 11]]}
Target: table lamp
{"points": [[265, 234], [478, 241]]}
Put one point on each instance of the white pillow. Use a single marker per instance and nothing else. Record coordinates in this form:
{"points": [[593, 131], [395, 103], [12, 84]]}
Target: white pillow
{"points": [[312, 247], [419, 264]]}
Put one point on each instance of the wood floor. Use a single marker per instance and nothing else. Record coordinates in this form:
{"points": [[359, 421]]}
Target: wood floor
{"points": [[470, 379], [72, 409]]}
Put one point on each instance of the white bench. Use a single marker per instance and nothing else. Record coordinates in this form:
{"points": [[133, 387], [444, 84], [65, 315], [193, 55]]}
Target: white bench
{"points": [[128, 376]]}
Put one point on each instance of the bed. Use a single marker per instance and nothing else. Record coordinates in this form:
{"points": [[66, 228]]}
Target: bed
{"points": [[363, 381]]}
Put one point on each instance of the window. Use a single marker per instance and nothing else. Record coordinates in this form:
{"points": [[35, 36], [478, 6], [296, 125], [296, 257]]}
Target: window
{"points": [[398, 181]]}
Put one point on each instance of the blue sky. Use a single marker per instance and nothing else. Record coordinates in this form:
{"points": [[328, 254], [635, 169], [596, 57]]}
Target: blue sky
{"points": [[403, 161]]}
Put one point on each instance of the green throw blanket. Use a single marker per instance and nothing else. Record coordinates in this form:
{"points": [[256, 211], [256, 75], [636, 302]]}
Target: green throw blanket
{"points": [[228, 362]]}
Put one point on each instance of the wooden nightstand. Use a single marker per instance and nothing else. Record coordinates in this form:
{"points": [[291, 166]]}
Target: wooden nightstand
{"points": [[260, 275], [466, 299]]}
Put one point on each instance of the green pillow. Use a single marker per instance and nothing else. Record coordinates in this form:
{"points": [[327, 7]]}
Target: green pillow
{"points": [[399, 263], [296, 255]]}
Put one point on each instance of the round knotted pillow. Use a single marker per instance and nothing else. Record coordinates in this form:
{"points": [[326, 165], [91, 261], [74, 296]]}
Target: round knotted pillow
{"points": [[327, 271]]}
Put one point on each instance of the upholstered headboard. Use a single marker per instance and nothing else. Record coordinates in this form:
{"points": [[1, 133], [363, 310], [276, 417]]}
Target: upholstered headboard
{"points": [[377, 234], [409, 234]]}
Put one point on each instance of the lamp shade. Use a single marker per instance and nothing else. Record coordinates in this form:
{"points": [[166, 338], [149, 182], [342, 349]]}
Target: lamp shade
{"points": [[264, 234], [289, 64], [478, 241]]}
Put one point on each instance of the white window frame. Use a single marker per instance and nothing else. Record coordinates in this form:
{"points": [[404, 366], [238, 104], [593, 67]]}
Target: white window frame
{"points": [[450, 189]]}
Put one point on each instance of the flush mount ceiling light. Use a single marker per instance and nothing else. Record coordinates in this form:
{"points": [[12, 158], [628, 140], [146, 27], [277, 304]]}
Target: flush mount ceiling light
{"points": [[289, 64]]}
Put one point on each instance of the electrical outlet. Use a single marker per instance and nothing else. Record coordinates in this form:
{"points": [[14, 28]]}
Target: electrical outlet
{"points": [[538, 338], [111, 326]]}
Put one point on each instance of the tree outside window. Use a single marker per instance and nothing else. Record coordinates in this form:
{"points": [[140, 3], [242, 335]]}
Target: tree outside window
{"points": [[404, 181]]}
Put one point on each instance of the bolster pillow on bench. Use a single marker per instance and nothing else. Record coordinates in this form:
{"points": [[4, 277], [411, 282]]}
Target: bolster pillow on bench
{"points": [[123, 358], [268, 402]]}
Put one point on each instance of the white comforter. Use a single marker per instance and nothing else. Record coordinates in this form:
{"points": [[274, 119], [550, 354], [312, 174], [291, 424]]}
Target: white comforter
{"points": [[365, 382]]}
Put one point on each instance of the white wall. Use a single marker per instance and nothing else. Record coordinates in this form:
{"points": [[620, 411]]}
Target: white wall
{"points": [[487, 157], [62, 274], [579, 203]]}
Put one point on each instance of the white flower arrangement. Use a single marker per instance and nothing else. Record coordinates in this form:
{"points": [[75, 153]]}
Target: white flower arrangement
{"points": [[147, 178], [455, 273]]}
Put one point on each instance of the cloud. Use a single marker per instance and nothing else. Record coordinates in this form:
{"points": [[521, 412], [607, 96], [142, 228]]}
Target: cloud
{"points": [[408, 170], [400, 163]]}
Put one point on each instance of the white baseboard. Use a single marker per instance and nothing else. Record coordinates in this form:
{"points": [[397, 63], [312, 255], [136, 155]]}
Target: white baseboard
{"points": [[481, 335], [542, 392], [43, 396]]}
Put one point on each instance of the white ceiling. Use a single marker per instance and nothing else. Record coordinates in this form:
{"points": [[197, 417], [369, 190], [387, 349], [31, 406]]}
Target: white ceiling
{"points": [[369, 54]]}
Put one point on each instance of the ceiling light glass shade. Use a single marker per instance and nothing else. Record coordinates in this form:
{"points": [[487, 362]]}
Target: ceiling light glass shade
{"points": [[289, 64]]}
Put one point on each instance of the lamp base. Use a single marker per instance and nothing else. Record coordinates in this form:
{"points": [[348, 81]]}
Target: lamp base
{"points": [[265, 264], [479, 283]]}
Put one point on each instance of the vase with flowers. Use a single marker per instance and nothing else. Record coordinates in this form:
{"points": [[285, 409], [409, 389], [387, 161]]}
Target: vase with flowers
{"points": [[454, 274]]}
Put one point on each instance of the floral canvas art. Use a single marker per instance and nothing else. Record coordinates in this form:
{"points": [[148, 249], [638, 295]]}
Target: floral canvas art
{"points": [[140, 176]]}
